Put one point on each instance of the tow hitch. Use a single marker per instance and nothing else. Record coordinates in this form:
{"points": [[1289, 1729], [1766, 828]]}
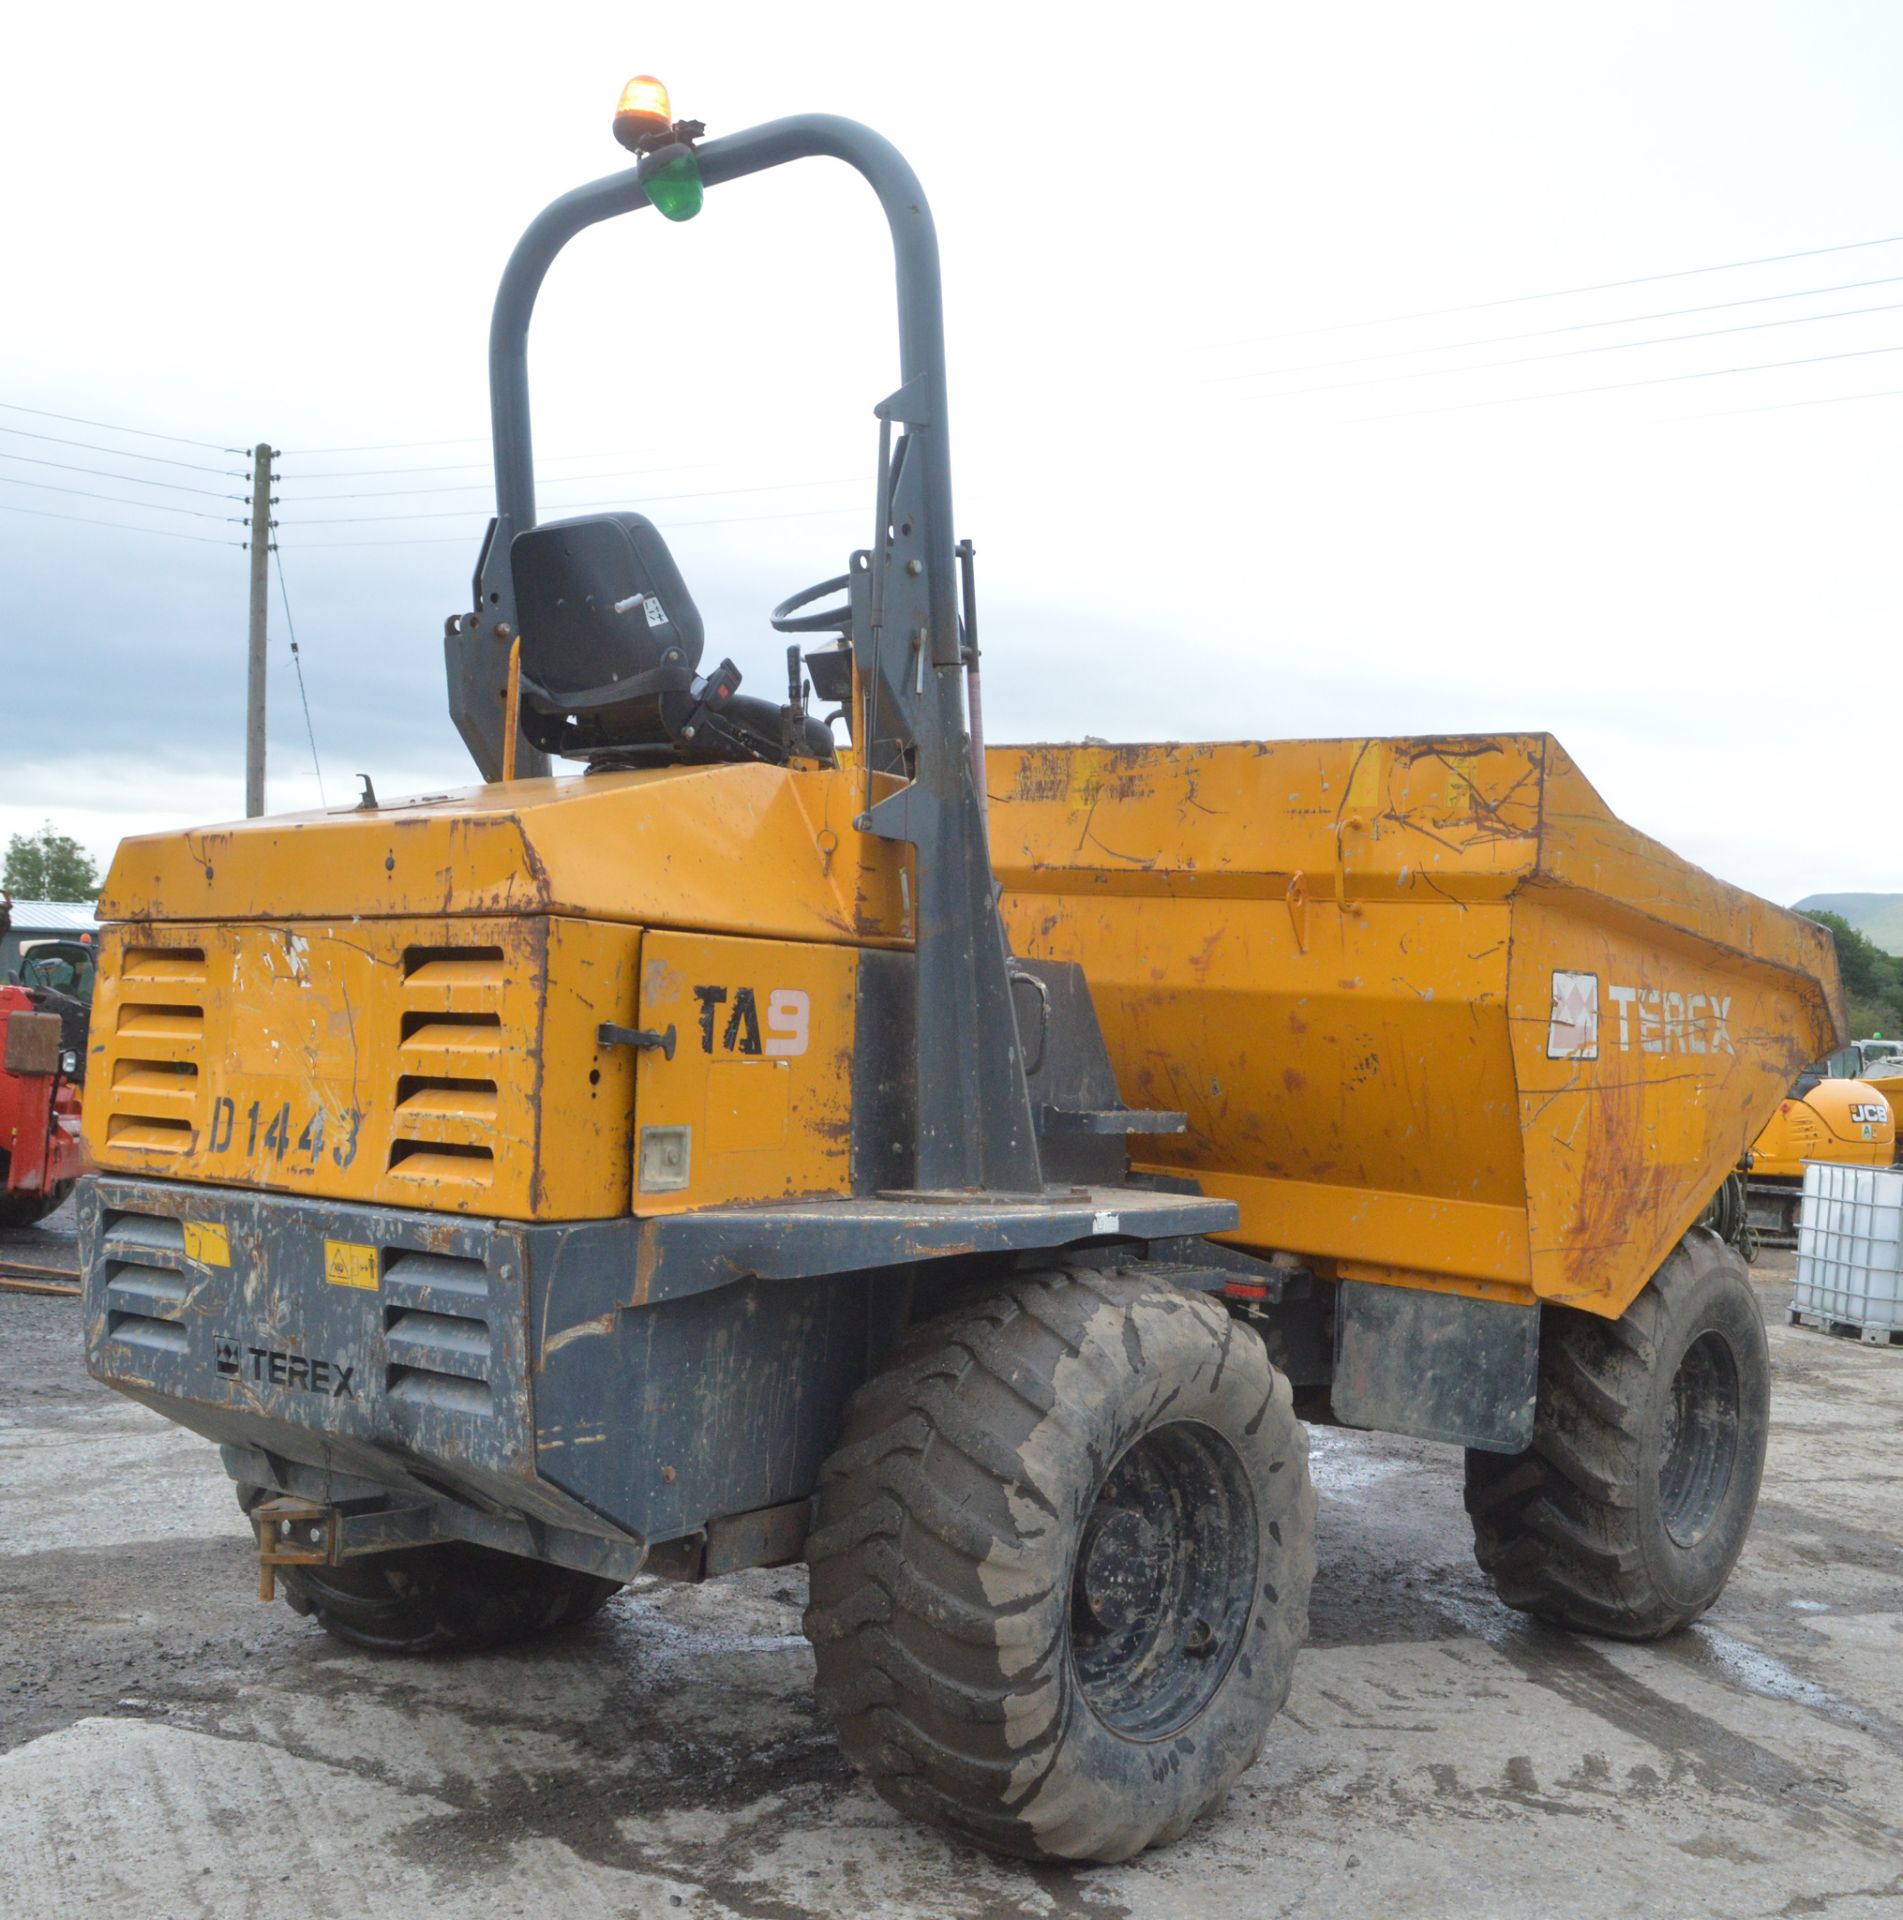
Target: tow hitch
{"points": [[294, 1533]]}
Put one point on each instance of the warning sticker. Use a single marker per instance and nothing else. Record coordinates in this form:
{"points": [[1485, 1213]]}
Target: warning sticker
{"points": [[207, 1243], [656, 613], [1574, 1030], [346, 1264]]}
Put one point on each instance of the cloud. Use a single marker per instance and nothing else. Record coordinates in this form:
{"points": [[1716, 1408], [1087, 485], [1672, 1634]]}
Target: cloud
{"points": [[1187, 523]]}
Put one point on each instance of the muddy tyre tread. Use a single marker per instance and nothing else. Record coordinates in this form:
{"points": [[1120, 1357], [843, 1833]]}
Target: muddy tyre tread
{"points": [[1561, 1530], [957, 1707]]}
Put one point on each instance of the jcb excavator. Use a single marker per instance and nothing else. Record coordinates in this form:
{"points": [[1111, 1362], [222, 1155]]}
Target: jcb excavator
{"points": [[668, 1164], [1827, 1115]]}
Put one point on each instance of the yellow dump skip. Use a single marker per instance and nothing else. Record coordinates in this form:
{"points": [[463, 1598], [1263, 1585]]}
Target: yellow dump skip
{"points": [[1435, 1015]]}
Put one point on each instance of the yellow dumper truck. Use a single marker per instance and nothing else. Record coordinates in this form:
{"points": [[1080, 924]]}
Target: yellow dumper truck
{"points": [[745, 1146]]}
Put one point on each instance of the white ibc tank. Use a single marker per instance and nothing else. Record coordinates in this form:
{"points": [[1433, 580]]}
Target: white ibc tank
{"points": [[1850, 1247]]}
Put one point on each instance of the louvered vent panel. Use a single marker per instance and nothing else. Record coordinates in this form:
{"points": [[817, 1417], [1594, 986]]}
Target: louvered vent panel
{"points": [[146, 1280], [153, 1095], [436, 1341], [444, 1109]]}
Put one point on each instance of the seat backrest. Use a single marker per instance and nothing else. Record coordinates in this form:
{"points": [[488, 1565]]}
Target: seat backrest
{"points": [[601, 601]]}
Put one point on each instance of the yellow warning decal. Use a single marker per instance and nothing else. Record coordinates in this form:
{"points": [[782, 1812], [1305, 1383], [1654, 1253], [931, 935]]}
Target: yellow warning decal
{"points": [[346, 1264], [207, 1243]]}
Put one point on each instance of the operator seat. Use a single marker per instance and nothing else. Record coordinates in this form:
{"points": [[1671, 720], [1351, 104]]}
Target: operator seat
{"points": [[611, 647]]}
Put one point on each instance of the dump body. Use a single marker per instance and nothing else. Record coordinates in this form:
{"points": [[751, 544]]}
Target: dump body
{"points": [[1437, 1018]]}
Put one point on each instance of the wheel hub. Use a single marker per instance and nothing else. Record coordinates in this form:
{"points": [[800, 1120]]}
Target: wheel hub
{"points": [[1698, 1443], [1164, 1585], [1119, 1571]]}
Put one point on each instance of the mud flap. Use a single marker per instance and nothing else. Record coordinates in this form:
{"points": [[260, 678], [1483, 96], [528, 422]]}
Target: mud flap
{"points": [[1436, 1366]]}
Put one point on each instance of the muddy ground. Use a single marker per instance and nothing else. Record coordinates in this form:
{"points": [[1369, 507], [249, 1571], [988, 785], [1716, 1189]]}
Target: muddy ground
{"points": [[170, 1747]]}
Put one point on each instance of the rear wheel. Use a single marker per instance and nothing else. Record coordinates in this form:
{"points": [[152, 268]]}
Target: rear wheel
{"points": [[1061, 1565], [1629, 1510], [25, 1209], [454, 1598]]}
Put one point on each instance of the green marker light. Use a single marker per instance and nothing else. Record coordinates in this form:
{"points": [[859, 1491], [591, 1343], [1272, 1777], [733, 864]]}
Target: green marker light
{"points": [[673, 187]]}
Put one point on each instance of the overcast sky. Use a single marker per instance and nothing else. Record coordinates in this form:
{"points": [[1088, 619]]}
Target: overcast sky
{"points": [[1219, 489]]}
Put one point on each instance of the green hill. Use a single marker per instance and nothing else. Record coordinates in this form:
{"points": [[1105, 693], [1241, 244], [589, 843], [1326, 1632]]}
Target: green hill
{"points": [[1877, 916]]}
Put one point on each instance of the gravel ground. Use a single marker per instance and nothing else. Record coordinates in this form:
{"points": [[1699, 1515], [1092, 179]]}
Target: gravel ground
{"points": [[168, 1746]]}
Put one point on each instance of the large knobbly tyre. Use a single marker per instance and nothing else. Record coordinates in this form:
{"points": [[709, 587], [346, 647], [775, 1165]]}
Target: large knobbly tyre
{"points": [[23, 1209], [1628, 1512], [454, 1598], [1061, 1565]]}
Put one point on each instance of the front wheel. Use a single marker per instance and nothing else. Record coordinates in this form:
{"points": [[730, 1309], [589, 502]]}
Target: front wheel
{"points": [[1629, 1510], [453, 1598], [1061, 1565]]}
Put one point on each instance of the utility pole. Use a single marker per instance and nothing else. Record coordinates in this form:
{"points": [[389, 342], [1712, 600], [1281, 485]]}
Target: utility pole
{"points": [[261, 524]]}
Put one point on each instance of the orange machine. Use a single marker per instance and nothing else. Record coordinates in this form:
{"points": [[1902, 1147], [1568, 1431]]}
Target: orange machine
{"points": [[696, 1163], [1877, 1063], [1845, 1121]]}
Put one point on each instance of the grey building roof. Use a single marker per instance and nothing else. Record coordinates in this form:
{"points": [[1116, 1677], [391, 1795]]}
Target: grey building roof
{"points": [[54, 916]]}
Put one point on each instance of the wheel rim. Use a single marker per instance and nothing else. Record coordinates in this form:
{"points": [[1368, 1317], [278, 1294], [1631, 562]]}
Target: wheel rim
{"points": [[1164, 1582], [1699, 1446]]}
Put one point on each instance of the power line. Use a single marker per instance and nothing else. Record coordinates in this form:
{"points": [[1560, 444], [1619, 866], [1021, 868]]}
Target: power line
{"points": [[549, 479], [124, 526], [482, 486], [1784, 406], [583, 506], [127, 479], [1563, 293], [666, 526], [1574, 353], [112, 426], [1576, 326], [484, 466], [118, 453], [390, 446], [297, 661], [1618, 386], [113, 500], [452, 466]]}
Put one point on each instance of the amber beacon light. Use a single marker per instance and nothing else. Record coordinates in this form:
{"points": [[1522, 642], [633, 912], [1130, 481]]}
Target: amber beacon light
{"points": [[644, 113]]}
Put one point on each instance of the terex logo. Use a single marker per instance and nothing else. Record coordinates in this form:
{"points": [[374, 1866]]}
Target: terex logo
{"points": [[1656, 1021], [270, 1365]]}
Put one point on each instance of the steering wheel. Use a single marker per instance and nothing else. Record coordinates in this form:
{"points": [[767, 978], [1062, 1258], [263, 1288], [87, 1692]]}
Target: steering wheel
{"points": [[787, 618]]}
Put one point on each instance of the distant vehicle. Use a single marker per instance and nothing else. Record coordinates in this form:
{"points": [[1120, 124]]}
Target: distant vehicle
{"points": [[39, 923], [43, 1037], [1856, 1061], [1877, 1063], [1830, 1114]]}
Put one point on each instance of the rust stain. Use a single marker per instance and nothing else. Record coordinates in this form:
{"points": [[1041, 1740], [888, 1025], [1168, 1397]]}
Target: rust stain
{"points": [[582, 1330]]}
